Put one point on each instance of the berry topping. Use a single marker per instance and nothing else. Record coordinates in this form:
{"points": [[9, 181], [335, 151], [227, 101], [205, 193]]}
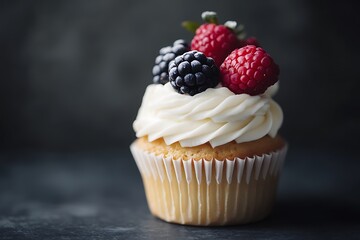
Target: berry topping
{"points": [[252, 41], [193, 73], [214, 40], [249, 70], [166, 55]]}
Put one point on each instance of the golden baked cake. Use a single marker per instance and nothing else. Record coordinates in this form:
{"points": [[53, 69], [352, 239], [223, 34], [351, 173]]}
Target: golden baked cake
{"points": [[207, 145]]}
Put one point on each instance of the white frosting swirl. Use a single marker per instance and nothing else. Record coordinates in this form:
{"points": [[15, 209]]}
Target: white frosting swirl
{"points": [[217, 116]]}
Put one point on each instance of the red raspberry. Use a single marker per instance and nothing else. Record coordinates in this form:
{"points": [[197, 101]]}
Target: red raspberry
{"points": [[252, 41], [215, 41], [249, 70]]}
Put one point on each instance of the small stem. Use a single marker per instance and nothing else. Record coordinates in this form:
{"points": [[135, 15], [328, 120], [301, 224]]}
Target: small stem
{"points": [[210, 17]]}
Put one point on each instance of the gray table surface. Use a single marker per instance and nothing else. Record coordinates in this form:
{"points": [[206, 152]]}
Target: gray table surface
{"points": [[100, 196]]}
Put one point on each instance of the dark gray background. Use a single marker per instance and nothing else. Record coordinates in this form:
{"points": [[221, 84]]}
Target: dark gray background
{"points": [[72, 75], [73, 72]]}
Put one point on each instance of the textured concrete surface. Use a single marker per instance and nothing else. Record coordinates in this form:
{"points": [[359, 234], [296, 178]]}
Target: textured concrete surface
{"points": [[100, 196]]}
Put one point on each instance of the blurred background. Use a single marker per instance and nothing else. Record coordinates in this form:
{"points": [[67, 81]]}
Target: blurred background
{"points": [[73, 73], [72, 77]]}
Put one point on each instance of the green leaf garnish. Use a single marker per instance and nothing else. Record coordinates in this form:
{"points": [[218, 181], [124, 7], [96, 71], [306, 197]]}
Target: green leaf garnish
{"points": [[190, 26]]}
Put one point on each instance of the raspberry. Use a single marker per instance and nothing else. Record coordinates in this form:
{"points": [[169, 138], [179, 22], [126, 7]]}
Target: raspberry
{"points": [[252, 41], [249, 70], [215, 41], [193, 73], [166, 55]]}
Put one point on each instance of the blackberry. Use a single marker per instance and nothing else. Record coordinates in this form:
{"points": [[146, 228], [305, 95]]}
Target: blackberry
{"points": [[193, 73], [166, 55]]}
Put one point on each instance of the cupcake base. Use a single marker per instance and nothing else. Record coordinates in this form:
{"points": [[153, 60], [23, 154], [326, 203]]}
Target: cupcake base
{"points": [[209, 192]]}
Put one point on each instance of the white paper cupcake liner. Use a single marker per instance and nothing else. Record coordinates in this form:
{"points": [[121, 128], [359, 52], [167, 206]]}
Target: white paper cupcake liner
{"points": [[209, 192]]}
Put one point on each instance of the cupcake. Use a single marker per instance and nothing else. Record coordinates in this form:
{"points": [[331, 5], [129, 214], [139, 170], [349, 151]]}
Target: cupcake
{"points": [[207, 145]]}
